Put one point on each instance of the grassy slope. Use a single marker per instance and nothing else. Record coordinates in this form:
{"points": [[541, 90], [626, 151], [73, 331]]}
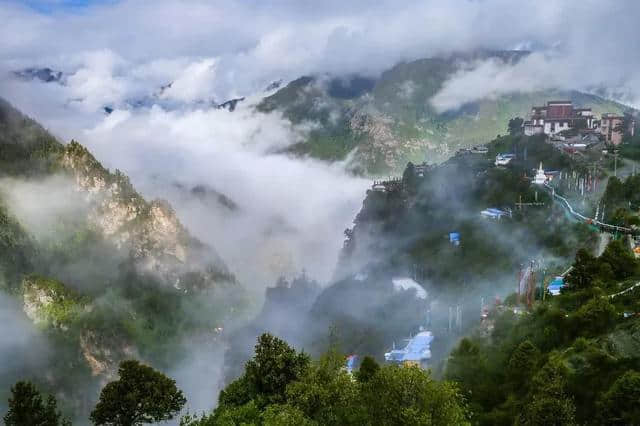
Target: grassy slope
{"points": [[402, 95]]}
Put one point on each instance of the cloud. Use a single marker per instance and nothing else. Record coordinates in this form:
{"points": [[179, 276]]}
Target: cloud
{"points": [[589, 54], [290, 212], [194, 83], [255, 43], [23, 350], [493, 78], [118, 51]]}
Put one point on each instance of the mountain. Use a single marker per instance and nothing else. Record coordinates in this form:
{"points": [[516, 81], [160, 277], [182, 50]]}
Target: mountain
{"points": [[402, 235], [46, 74], [102, 273], [518, 355], [389, 120]]}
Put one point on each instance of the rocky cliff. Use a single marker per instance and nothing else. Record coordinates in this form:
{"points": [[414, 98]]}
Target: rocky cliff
{"points": [[150, 230]]}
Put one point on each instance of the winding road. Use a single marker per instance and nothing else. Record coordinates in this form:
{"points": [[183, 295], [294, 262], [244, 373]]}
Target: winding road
{"points": [[606, 227]]}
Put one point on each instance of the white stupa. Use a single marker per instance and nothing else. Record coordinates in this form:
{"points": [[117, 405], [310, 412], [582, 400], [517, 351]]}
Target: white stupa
{"points": [[540, 178]]}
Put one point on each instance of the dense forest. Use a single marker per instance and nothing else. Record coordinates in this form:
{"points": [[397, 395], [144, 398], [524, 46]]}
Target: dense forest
{"points": [[572, 359]]}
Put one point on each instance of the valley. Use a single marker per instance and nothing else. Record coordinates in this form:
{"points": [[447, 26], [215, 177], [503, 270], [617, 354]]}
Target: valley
{"points": [[285, 213], [111, 276]]}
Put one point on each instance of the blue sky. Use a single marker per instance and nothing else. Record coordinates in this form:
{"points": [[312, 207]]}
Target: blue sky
{"points": [[53, 6]]}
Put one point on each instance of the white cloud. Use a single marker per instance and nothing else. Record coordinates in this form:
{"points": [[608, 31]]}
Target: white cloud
{"points": [[195, 83], [493, 78], [253, 44], [291, 211]]}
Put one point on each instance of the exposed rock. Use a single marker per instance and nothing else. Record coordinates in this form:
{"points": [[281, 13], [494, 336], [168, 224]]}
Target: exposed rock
{"points": [[34, 300], [150, 230], [47, 301], [104, 355], [382, 144]]}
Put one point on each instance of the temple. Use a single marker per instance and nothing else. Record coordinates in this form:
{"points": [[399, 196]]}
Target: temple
{"points": [[556, 117]]}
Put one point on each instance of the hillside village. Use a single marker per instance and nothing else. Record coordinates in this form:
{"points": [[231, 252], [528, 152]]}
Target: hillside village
{"points": [[560, 119], [574, 131], [577, 148]]}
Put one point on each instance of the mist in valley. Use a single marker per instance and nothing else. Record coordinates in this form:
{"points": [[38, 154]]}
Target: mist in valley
{"points": [[278, 239]]}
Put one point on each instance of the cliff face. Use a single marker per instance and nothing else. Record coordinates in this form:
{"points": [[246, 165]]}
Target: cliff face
{"points": [[150, 231], [119, 278]]}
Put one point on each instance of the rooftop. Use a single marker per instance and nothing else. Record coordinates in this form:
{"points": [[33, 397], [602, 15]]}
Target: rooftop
{"points": [[418, 349]]}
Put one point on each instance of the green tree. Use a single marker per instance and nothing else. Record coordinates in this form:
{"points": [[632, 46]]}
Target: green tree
{"points": [[522, 362], [285, 415], [548, 402], [409, 396], [467, 365], [584, 271], [515, 126], [327, 394], [621, 259], [620, 405], [26, 407], [247, 414], [140, 395], [548, 410], [274, 365], [368, 368], [595, 316], [237, 393]]}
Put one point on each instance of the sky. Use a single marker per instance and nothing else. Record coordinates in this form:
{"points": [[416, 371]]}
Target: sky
{"points": [[56, 6], [292, 212]]}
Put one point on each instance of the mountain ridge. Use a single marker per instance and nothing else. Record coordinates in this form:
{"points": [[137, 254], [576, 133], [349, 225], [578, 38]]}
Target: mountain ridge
{"points": [[389, 121], [101, 273]]}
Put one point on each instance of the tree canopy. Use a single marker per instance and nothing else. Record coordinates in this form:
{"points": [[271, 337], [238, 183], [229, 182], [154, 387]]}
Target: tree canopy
{"points": [[27, 407], [140, 395], [321, 392]]}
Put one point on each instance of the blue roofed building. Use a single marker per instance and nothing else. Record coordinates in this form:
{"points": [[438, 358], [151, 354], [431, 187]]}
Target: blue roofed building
{"points": [[417, 352], [556, 285]]}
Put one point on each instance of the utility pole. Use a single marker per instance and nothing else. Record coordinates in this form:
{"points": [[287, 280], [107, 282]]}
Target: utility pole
{"points": [[615, 163]]}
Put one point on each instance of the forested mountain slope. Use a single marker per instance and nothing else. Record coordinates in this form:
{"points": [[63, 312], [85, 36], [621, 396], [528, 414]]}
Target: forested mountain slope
{"points": [[390, 120], [102, 273]]}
